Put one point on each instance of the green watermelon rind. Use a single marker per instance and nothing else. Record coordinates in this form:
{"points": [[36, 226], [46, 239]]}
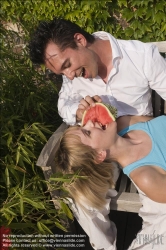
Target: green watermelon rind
{"points": [[111, 109]]}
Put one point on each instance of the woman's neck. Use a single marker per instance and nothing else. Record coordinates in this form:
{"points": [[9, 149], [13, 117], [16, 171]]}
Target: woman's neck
{"points": [[132, 147]]}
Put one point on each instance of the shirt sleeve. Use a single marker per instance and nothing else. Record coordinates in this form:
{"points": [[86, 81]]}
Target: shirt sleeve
{"points": [[101, 230], [155, 70], [97, 225], [68, 102]]}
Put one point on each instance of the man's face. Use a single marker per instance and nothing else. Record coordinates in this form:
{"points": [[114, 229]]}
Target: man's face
{"points": [[80, 62]]}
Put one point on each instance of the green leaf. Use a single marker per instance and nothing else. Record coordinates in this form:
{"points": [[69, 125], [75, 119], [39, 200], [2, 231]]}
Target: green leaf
{"points": [[60, 179], [163, 27], [25, 154], [39, 225], [23, 184], [5, 4], [37, 205], [135, 24], [47, 221], [139, 12], [9, 140], [39, 133], [7, 177], [146, 27], [136, 2], [159, 17], [43, 67], [7, 210], [159, 6], [60, 226], [12, 166], [17, 155], [122, 3], [45, 228], [128, 14], [23, 160], [21, 207], [66, 210], [28, 152]]}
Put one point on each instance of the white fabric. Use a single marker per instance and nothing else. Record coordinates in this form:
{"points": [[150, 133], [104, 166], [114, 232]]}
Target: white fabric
{"points": [[153, 233], [96, 224], [137, 68]]}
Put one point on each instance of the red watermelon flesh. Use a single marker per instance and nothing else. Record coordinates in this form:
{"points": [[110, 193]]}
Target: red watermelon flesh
{"points": [[99, 113]]}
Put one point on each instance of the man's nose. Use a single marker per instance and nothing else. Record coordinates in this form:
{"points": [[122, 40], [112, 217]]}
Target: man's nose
{"points": [[70, 74]]}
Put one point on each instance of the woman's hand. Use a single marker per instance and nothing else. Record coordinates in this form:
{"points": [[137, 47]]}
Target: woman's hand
{"points": [[85, 104]]}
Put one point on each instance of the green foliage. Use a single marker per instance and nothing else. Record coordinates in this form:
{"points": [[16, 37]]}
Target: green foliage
{"points": [[28, 117], [126, 19]]}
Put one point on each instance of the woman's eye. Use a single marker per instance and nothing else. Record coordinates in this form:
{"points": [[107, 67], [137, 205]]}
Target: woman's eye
{"points": [[88, 132]]}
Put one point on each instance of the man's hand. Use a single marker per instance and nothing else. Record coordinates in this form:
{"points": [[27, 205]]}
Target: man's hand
{"points": [[85, 104]]}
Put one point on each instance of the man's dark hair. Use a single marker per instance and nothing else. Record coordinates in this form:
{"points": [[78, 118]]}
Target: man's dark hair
{"points": [[60, 31]]}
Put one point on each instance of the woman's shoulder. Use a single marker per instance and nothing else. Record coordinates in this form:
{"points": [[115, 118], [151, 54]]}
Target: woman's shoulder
{"points": [[144, 178], [128, 120]]}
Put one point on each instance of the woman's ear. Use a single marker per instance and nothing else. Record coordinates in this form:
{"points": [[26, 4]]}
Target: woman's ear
{"points": [[101, 156]]}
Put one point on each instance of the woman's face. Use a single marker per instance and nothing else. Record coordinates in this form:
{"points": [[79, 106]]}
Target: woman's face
{"points": [[92, 134]]}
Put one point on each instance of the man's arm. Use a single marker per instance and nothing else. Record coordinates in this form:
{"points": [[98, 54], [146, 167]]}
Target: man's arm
{"points": [[68, 102], [155, 70], [71, 105]]}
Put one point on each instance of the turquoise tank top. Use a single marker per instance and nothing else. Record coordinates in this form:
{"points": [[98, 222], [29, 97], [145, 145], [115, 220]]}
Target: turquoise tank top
{"points": [[156, 129]]}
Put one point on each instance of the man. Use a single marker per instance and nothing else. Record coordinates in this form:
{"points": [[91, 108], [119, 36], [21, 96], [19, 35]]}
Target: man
{"points": [[120, 72], [115, 71]]}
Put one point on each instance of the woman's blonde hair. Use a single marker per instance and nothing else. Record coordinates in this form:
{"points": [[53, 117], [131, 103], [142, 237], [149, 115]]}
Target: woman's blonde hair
{"points": [[75, 157]]}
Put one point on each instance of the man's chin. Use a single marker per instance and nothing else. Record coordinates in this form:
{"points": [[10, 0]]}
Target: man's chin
{"points": [[92, 76]]}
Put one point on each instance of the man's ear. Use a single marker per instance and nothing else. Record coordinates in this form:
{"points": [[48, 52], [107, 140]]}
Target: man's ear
{"points": [[80, 39], [101, 156]]}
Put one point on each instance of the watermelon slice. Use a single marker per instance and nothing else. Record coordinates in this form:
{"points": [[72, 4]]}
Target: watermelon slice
{"points": [[102, 113]]}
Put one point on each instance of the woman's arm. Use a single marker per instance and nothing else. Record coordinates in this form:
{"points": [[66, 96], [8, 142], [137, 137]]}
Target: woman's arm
{"points": [[152, 181], [127, 120]]}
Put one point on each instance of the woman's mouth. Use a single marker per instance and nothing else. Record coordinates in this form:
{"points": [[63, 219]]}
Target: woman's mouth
{"points": [[104, 127]]}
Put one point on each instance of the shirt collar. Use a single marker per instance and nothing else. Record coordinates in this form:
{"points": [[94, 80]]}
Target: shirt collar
{"points": [[116, 51]]}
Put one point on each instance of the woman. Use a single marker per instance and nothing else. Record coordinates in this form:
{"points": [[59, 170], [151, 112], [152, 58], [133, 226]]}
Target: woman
{"points": [[140, 148]]}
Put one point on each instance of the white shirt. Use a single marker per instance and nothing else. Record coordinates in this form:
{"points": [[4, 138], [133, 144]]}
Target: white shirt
{"points": [[137, 68]]}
